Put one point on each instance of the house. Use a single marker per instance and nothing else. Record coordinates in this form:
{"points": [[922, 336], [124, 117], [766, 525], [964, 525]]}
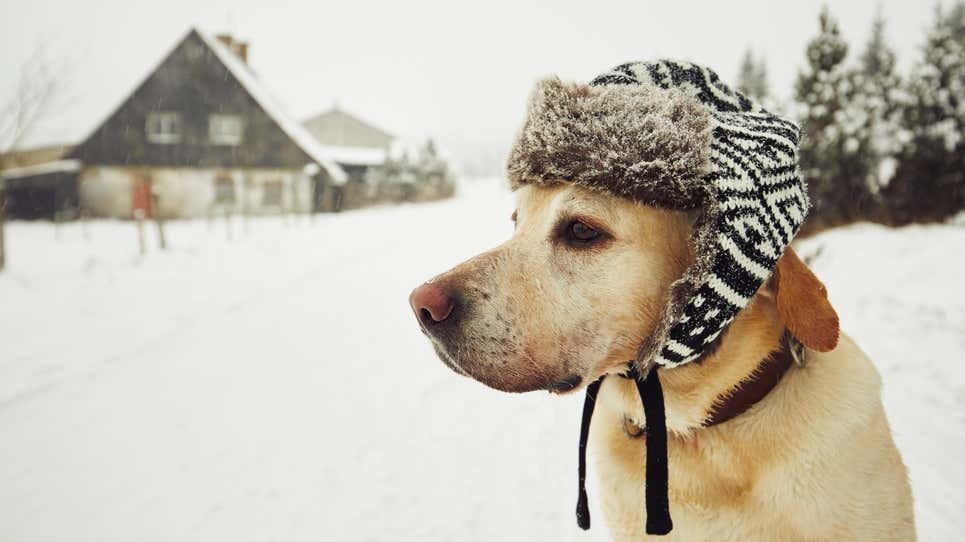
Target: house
{"points": [[201, 135], [379, 169], [358, 146]]}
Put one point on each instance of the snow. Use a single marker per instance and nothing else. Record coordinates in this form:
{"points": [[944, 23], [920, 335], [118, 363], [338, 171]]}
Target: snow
{"points": [[268, 382], [886, 170], [359, 156], [260, 94]]}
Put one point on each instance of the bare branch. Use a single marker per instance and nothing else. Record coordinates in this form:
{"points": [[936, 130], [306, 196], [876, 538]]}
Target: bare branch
{"points": [[38, 86]]}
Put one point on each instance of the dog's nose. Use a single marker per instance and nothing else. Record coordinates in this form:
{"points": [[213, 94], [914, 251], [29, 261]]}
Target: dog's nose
{"points": [[430, 303]]}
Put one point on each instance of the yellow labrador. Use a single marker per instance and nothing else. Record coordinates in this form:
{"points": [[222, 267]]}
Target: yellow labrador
{"points": [[570, 297]]}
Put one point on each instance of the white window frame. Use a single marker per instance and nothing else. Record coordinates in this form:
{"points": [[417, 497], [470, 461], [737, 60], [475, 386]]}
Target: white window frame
{"points": [[163, 127], [225, 129]]}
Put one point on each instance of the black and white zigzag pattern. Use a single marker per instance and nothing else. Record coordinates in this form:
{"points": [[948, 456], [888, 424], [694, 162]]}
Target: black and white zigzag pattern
{"points": [[761, 199]]}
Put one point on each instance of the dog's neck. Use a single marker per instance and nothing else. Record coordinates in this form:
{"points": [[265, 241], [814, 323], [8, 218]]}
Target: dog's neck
{"points": [[691, 391]]}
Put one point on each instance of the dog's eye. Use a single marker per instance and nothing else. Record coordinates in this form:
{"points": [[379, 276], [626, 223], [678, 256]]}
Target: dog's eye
{"points": [[581, 234]]}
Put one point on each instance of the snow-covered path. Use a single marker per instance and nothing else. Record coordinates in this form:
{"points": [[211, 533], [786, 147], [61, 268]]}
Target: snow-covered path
{"points": [[275, 387]]}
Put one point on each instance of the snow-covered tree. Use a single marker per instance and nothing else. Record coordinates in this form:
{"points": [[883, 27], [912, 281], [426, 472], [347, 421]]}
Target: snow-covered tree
{"points": [[930, 181], [877, 95], [833, 153], [401, 178], [394, 179], [428, 158], [752, 77], [434, 176]]}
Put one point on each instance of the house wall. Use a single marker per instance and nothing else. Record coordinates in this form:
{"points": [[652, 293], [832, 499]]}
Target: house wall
{"points": [[108, 191]]}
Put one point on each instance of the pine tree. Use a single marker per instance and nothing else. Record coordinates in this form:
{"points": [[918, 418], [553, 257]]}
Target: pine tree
{"points": [[752, 77], [955, 21], [877, 57], [833, 156], [876, 100], [746, 74], [930, 181], [761, 88]]}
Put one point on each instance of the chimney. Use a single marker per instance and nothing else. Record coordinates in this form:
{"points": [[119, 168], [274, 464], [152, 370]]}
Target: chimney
{"points": [[226, 39], [237, 47], [242, 50]]}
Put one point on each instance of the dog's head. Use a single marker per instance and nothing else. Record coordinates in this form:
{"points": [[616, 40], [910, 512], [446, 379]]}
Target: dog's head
{"points": [[571, 296]]}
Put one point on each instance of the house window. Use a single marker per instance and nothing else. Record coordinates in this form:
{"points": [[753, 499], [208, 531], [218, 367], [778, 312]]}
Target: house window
{"points": [[271, 196], [225, 129], [224, 189], [163, 127]]}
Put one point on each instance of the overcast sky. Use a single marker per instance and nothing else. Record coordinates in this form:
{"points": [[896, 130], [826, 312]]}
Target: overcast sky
{"points": [[458, 71]]}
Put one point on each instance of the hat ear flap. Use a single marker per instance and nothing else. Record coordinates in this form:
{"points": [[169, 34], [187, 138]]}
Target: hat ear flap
{"points": [[802, 300]]}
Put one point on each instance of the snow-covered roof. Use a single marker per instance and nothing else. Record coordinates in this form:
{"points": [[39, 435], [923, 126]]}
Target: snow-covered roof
{"points": [[58, 166], [356, 156], [339, 127], [292, 128]]}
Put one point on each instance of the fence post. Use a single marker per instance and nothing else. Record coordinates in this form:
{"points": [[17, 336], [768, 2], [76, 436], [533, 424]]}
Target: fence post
{"points": [[155, 207], [161, 237], [242, 203], [227, 222], [139, 220]]}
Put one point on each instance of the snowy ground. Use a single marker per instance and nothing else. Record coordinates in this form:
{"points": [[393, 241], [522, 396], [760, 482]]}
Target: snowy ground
{"points": [[275, 386]]}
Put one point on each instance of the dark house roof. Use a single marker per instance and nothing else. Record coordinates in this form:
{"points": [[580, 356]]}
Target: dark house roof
{"points": [[198, 78]]}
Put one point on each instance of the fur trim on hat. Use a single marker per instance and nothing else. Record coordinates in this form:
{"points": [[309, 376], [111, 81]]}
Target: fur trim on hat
{"points": [[639, 142]]}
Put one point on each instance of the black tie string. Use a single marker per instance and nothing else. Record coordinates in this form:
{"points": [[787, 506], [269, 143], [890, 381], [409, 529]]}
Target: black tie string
{"points": [[582, 507], [658, 500], [656, 490]]}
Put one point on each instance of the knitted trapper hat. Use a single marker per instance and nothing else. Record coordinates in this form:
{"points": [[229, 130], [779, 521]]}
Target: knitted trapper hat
{"points": [[672, 135]]}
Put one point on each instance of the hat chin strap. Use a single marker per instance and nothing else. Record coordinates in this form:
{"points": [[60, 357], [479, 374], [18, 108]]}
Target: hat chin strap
{"points": [[657, 499], [736, 401]]}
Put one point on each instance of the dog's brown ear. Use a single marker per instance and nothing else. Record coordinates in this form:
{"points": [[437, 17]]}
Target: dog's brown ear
{"points": [[802, 300]]}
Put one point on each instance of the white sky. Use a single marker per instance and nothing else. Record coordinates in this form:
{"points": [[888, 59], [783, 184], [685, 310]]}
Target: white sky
{"points": [[457, 71]]}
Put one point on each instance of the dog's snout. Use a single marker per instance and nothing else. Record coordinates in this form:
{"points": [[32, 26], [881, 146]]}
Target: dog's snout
{"points": [[431, 304]]}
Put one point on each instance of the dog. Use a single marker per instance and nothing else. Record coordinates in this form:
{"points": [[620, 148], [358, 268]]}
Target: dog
{"points": [[570, 297]]}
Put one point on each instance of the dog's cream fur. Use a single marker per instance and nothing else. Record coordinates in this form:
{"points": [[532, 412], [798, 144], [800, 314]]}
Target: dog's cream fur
{"points": [[813, 460]]}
